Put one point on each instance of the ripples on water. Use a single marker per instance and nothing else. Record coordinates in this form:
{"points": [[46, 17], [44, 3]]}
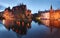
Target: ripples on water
{"points": [[30, 29]]}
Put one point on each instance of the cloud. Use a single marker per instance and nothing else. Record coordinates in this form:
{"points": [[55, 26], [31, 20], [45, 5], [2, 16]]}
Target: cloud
{"points": [[2, 8]]}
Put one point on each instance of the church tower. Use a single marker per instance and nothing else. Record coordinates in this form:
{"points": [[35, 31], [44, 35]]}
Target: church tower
{"points": [[51, 16], [51, 10], [51, 7]]}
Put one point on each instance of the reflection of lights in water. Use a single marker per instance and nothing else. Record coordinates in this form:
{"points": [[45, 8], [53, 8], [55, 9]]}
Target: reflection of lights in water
{"points": [[3, 21], [18, 23], [28, 24], [58, 19], [37, 17], [22, 23]]}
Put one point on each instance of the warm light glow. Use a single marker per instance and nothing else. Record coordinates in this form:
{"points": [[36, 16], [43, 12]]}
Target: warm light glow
{"points": [[3, 21], [38, 18], [8, 15], [45, 15], [27, 24]]}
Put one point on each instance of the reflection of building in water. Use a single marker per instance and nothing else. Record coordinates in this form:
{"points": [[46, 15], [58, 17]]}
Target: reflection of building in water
{"points": [[19, 27], [51, 23], [45, 22]]}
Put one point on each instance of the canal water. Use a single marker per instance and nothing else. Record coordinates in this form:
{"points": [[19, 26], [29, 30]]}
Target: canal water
{"points": [[36, 30]]}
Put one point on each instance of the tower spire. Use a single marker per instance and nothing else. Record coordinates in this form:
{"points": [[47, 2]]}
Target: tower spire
{"points": [[51, 7]]}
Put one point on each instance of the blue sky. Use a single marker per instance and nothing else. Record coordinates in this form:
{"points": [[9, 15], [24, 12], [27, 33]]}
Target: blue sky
{"points": [[33, 5]]}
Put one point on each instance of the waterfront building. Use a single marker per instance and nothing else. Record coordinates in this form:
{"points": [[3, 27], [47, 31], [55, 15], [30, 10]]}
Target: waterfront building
{"points": [[50, 14]]}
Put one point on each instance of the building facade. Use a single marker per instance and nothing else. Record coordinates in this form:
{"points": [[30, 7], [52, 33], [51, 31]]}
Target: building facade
{"points": [[50, 14], [18, 12]]}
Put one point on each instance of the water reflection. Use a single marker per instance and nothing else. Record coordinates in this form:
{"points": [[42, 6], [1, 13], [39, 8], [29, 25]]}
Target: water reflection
{"points": [[34, 29], [19, 27], [51, 23]]}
